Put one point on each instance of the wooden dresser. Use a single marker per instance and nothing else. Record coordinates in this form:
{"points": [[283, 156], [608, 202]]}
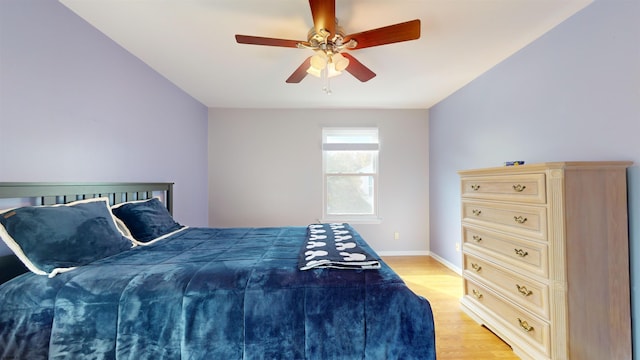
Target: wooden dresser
{"points": [[546, 260]]}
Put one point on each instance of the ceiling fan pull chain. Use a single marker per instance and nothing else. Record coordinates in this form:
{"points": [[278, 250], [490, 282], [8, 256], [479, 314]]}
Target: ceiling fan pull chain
{"points": [[326, 79]]}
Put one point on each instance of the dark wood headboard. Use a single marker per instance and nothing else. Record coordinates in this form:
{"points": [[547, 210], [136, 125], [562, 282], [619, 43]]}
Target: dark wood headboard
{"points": [[62, 193]]}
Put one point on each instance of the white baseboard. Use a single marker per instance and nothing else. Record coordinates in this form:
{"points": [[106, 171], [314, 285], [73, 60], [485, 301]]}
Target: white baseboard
{"points": [[444, 262], [403, 253], [439, 259]]}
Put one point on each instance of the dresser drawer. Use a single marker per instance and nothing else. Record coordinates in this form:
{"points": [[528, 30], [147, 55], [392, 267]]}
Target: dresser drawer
{"points": [[528, 293], [520, 255], [527, 188], [522, 324], [530, 221]]}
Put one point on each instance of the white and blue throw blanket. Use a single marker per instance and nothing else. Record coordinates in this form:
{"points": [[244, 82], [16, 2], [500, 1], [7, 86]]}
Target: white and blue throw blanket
{"points": [[333, 246]]}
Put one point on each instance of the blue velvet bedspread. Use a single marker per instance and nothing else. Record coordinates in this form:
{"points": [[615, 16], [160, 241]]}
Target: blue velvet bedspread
{"points": [[215, 294]]}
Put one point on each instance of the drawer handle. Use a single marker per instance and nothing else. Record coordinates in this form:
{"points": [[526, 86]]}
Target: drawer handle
{"points": [[525, 326], [477, 294], [520, 219], [521, 252], [524, 291], [476, 267], [477, 238], [475, 187], [519, 188], [476, 212]]}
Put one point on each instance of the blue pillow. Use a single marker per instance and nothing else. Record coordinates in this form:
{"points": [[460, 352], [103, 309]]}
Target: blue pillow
{"points": [[146, 219], [57, 238]]}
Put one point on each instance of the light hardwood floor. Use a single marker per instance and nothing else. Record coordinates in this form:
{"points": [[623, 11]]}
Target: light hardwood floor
{"points": [[457, 336]]}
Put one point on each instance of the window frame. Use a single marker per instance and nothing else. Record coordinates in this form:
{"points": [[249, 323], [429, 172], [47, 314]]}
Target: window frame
{"points": [[374, 132]]}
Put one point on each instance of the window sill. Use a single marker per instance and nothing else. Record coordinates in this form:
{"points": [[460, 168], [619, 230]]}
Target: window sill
{"points": [[350, 220]]}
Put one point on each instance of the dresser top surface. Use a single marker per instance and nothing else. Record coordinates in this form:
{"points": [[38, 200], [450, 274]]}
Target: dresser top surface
{"points": [[548, 165]]}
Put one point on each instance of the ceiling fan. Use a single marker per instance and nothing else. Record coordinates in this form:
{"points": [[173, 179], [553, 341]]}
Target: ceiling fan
{"points": [[328, 40]]}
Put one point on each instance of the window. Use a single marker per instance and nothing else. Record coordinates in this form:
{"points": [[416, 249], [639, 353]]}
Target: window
{"points": [[350, 168]]}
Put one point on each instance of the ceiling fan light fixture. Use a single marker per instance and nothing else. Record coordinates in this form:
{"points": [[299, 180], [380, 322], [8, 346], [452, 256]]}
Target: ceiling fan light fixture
{"points": [[315, 72], [328, 71], [332, 70], [319, 60], [340, 62]]}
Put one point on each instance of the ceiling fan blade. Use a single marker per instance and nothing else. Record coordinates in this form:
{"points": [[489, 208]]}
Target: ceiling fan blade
{"points": [[258, 40], [324, 15], [358, 70], [405, 31], [300, 72]]}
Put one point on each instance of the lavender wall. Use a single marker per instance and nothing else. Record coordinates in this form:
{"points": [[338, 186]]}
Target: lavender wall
{"points": [[75, 106], [572, 95], [265, 169]]}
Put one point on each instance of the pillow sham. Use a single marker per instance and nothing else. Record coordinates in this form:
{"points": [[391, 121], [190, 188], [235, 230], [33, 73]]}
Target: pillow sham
{"points": [[52, 239], [146, 220]]}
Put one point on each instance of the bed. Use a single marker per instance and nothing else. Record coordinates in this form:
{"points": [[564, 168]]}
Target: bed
{"points": [[191, 293]]}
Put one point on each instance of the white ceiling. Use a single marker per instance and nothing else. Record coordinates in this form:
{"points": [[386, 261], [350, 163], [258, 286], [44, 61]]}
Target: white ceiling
{"points": [[191, 43]]}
